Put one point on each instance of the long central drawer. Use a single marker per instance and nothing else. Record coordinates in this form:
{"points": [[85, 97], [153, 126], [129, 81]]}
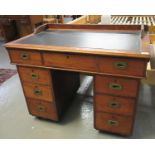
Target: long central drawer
{"points": [[72, 61]]}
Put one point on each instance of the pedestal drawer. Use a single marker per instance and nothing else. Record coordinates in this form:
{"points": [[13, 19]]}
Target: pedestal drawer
{"points": [[116, 86], [37, 91], [35, 75], [42, 109], [25, 57], [122, 66], [116, 105], [114, 123]]}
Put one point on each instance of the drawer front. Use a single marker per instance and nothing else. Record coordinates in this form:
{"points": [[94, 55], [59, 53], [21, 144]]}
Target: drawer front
{"points": [[25, 57], [122, 66], [35, 75], [42, 109], [37, 91], [116, 105], [71, 61], [116, 86], [114, 123]]}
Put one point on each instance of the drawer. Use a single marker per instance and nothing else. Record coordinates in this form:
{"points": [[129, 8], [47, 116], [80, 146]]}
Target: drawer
{"points": [[42, 109], [25, 57], [116, 86], [37, 91], [71, 61], [122, 66], [116, 105], [114, 123], [35, 75]]}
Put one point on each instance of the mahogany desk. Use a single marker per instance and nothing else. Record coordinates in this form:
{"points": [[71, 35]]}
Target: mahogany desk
{"points": [[49, 62]]}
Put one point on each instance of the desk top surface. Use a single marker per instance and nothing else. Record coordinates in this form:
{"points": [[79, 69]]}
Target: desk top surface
{"points": [[111, 40], [128, 41]]}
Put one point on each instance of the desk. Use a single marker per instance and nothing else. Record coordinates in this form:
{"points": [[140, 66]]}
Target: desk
{"points": [[49, 62]]}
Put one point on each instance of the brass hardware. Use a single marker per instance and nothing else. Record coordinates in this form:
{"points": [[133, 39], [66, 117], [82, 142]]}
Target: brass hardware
{"points": [[24, 56], [34, 76], [113, 123], [41, 108], [113, 104], [115, 86], [121, 65], [37, 92]]}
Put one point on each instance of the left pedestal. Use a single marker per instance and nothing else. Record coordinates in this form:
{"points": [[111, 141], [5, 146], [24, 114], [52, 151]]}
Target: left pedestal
{"points": [[48, 92]]}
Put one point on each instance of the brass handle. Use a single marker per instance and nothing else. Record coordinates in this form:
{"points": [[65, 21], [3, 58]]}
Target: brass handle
{"points": [[34, 76], [41, 108], [24, 56], [37, 92], [121, 65], [114, 104], [113, 123], [115, 86]]}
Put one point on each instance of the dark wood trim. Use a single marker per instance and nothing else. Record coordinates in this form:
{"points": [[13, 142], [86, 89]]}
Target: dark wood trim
{"points": [[95, 27]]}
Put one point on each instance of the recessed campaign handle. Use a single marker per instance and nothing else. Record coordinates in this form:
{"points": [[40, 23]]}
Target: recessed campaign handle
{"points": [[115, 86], [24, 56], [34, 76], [114, 104], [121, 65], [113, 123], [41, 108], [37, 92]]}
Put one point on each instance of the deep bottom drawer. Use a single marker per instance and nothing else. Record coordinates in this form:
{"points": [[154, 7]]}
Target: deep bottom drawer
{"points": [[114, 123], [42, 109]]}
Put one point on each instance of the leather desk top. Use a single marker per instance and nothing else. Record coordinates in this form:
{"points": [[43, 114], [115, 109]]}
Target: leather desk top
{"points": [[129, 41]]}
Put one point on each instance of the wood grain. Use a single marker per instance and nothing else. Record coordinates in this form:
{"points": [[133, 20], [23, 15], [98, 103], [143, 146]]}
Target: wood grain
{"points": [[124, 127], [34, 57], [129, 86], [125, 106], [46, 91], [35, 75], [42, 109]]}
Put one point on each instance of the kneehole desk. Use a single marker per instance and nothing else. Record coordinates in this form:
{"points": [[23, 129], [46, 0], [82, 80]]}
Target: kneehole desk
{"points": [[49, 62]]}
